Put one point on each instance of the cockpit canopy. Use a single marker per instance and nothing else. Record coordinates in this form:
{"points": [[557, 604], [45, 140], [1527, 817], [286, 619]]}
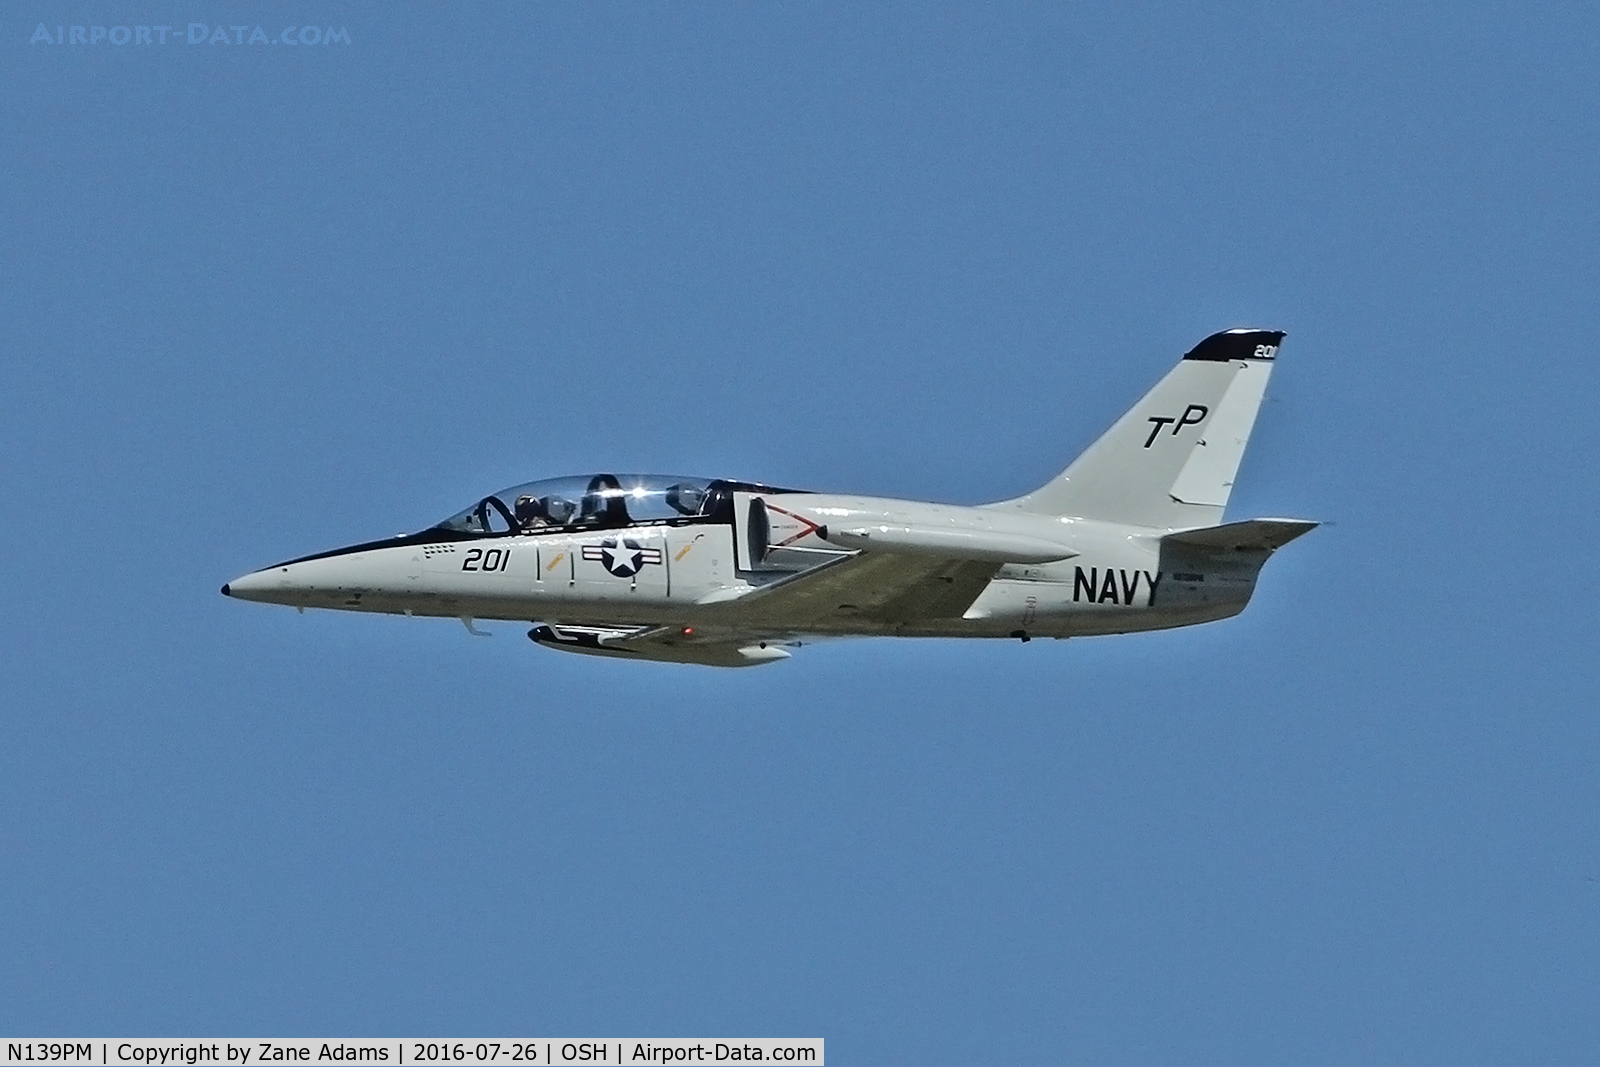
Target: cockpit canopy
{"points": [[599, 501]]}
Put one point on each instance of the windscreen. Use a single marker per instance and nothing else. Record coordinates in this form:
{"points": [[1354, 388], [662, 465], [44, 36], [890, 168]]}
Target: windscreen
{"points": [[596, 500]]}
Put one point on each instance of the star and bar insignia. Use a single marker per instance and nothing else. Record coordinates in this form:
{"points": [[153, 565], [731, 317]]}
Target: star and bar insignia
{"points": [[622, 556]]}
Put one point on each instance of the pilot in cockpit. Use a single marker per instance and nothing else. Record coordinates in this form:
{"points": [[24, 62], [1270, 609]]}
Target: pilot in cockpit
{"points": [[531, 513], [604, 503]]}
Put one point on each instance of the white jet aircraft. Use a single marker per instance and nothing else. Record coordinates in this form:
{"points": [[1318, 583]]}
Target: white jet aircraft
{"points": [[728, 573]]}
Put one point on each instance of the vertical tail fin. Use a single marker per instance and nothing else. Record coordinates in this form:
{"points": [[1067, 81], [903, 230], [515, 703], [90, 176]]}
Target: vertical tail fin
{"points": [[1171, 460]]}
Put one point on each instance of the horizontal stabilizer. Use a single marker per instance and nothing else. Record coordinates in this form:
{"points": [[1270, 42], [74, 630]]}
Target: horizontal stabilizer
{"points": [[1258, 535]]}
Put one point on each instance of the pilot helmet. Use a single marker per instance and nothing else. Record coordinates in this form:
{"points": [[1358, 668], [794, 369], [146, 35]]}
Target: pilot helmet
{"points": [[559, 509]]}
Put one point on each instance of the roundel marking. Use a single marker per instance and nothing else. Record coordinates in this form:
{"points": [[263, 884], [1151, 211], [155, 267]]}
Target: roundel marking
{"points": [[621, 556]]}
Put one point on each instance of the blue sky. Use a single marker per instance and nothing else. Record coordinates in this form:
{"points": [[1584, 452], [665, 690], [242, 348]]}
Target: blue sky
{"points": [[262, 300]]}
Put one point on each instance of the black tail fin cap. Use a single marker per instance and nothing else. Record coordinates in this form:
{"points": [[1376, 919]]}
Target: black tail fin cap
{"points": [[1237, 344]]}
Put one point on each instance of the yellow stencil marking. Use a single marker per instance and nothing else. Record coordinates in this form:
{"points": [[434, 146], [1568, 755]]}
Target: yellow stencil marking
{"points": [[554, 562], [684, 551]]}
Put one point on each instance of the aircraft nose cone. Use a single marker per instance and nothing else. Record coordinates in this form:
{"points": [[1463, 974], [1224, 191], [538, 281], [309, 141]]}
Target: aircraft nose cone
{"points": [[257, 585]]}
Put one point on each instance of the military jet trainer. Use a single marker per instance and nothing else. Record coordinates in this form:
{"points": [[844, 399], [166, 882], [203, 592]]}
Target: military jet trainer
{"points": [[727, 573]]}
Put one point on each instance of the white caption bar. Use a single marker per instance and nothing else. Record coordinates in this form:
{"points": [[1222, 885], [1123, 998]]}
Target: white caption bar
{"points": [[397, 1052]]}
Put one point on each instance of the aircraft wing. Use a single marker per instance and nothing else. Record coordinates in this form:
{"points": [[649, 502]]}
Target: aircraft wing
{"points": [[880, 587], [884, 588]]}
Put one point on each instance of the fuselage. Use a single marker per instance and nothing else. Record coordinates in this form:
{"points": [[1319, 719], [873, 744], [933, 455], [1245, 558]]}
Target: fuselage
{"points": [[1053, 577], [1129, 537]]}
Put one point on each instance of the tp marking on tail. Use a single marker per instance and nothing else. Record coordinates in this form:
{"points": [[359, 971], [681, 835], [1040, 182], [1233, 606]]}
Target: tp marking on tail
{"points": [[1192, 415]]}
